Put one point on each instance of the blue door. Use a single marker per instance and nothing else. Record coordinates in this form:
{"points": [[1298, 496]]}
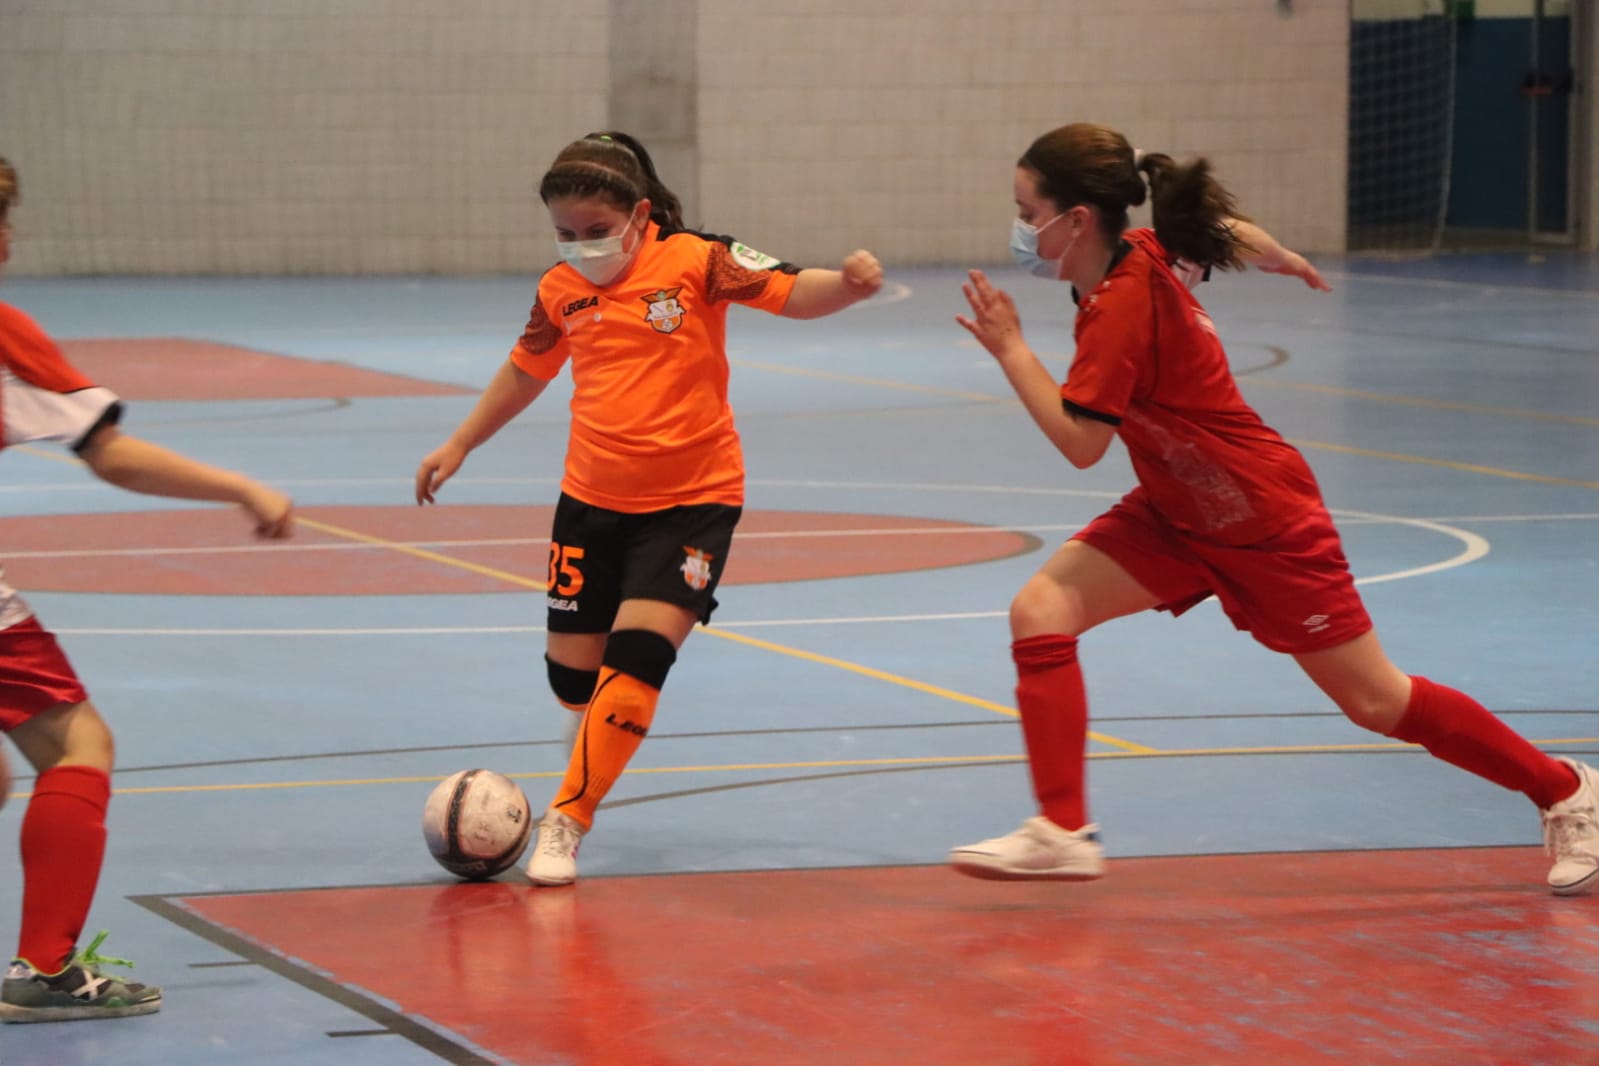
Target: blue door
{"points": [[1510, 165]]}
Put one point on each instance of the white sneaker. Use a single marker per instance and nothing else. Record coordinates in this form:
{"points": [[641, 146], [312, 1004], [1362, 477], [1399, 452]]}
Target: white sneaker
{"points": [[554, 860], [1039, 851], [1571, 835]]}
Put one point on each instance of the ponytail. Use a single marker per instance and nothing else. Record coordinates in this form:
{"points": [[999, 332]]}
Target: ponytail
{"points": [[665, 208], [1093, 165], [1191, 210]]}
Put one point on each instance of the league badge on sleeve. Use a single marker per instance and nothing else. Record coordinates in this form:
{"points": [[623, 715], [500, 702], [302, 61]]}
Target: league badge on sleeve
{"points": [[748, 257]]}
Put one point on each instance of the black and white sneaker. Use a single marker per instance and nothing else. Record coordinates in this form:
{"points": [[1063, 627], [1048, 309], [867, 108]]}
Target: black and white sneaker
{"points": [[80, 991]]}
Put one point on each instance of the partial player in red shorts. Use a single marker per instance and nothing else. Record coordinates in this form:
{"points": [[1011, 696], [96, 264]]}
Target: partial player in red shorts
{"points": [[43, 708], [1224, 506]]}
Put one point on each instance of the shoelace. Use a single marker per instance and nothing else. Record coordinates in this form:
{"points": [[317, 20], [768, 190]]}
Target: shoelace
{"points": [[1563, 834], [91, 959], [558, 839]]}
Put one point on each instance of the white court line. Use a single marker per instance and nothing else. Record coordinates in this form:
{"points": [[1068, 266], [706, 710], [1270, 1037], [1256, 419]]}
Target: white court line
{"points": [[398, 631], [507, 542], [503, 542], [433, 631], [914, 486], [1444, 283], [1019, 490], [1475, 547], [1579, 516], [325, 482], [891, 293]]}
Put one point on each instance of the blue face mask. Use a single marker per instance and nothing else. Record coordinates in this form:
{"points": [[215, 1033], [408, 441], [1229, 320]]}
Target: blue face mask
{"points": [[1024, 249]]}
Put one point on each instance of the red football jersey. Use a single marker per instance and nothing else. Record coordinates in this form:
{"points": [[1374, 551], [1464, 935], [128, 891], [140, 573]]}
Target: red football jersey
{"points": [[42, 396], [1149, 362]]}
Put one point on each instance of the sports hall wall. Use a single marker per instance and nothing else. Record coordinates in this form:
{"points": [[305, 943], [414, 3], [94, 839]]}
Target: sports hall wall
{"points": [[406, 136]]}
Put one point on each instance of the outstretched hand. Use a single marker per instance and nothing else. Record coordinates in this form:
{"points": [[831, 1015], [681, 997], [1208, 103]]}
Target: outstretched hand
{"points": [[1296, 266], [996, 324]]}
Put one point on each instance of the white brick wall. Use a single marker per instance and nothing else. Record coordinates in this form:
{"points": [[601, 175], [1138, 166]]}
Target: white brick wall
{"points": [[893, 124], [291, 136], [396, 136]]}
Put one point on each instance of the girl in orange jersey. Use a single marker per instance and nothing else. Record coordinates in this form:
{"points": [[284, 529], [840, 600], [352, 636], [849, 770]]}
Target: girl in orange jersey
{"points": [[1224, 506], [654, 478], [43, 706]]}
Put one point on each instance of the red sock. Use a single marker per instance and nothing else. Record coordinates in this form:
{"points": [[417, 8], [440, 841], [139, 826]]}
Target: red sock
{"points": [[1462, 732], [1054, 709], [63, 841]]}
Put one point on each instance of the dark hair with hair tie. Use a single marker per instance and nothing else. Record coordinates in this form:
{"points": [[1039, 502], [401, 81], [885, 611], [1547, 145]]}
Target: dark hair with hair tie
{"points": [[614, 167], [1093, 165]]}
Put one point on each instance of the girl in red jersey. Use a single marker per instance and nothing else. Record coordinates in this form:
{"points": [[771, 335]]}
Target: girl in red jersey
{"points": [[43, 707], [1224, 506], [654, 481]]}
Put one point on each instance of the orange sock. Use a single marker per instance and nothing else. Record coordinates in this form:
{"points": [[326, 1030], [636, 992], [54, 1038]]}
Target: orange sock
{"points": [[618, 718]]}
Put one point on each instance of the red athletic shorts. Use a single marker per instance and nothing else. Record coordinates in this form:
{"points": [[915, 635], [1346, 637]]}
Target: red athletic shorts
{"points": [[34, 674], [1293, 592]]}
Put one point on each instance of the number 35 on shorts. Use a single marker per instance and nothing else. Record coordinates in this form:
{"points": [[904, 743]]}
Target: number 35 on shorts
{"points": [[566, 577]]}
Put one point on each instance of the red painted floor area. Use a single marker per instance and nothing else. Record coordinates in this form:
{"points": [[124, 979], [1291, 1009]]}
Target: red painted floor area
{"points": [[1454, 956], [176, 369], [210, 552]]}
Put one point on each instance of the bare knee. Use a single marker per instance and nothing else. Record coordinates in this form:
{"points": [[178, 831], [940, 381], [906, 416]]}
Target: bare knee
{"points": [[1378, 707], [5, 778], [70, 734], [1357, 675], [1042, 606]]}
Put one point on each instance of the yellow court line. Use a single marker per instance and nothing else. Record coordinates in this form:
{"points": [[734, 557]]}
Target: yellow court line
{"points": [[1419, 401], [1398, 457], [421, 553], [40, 453], [1448, 464], [919, 686], [737, 638], [824, 764], [1312, 749]]}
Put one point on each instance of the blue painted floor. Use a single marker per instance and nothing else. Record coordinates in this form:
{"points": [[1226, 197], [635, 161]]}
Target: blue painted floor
{"points": [[1450, 408]]}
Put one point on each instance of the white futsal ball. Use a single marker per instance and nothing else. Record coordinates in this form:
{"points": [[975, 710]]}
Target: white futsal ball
{"points": [[477, 823]]}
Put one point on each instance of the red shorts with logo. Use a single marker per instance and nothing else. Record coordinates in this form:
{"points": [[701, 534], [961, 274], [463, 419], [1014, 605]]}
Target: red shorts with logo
{"points": [[34, 674], [1293, 592]]}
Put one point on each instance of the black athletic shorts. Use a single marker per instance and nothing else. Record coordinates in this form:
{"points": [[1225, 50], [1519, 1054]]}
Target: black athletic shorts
{"points": [[599, 557]]}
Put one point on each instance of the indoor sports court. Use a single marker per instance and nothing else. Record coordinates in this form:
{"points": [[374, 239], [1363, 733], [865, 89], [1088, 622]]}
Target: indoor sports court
{"points": [[766, 883]]}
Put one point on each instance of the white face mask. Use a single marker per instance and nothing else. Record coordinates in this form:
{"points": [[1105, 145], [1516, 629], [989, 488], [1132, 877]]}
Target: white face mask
{"points": [[1024, 248], [600, 261]]}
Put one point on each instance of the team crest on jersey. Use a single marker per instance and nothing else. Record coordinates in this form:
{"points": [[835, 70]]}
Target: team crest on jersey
{"points": [[665, 314], [696, 568]]}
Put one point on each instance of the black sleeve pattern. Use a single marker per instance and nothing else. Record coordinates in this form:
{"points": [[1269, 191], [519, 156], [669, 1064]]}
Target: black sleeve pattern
{"points": [[541, 334]]}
